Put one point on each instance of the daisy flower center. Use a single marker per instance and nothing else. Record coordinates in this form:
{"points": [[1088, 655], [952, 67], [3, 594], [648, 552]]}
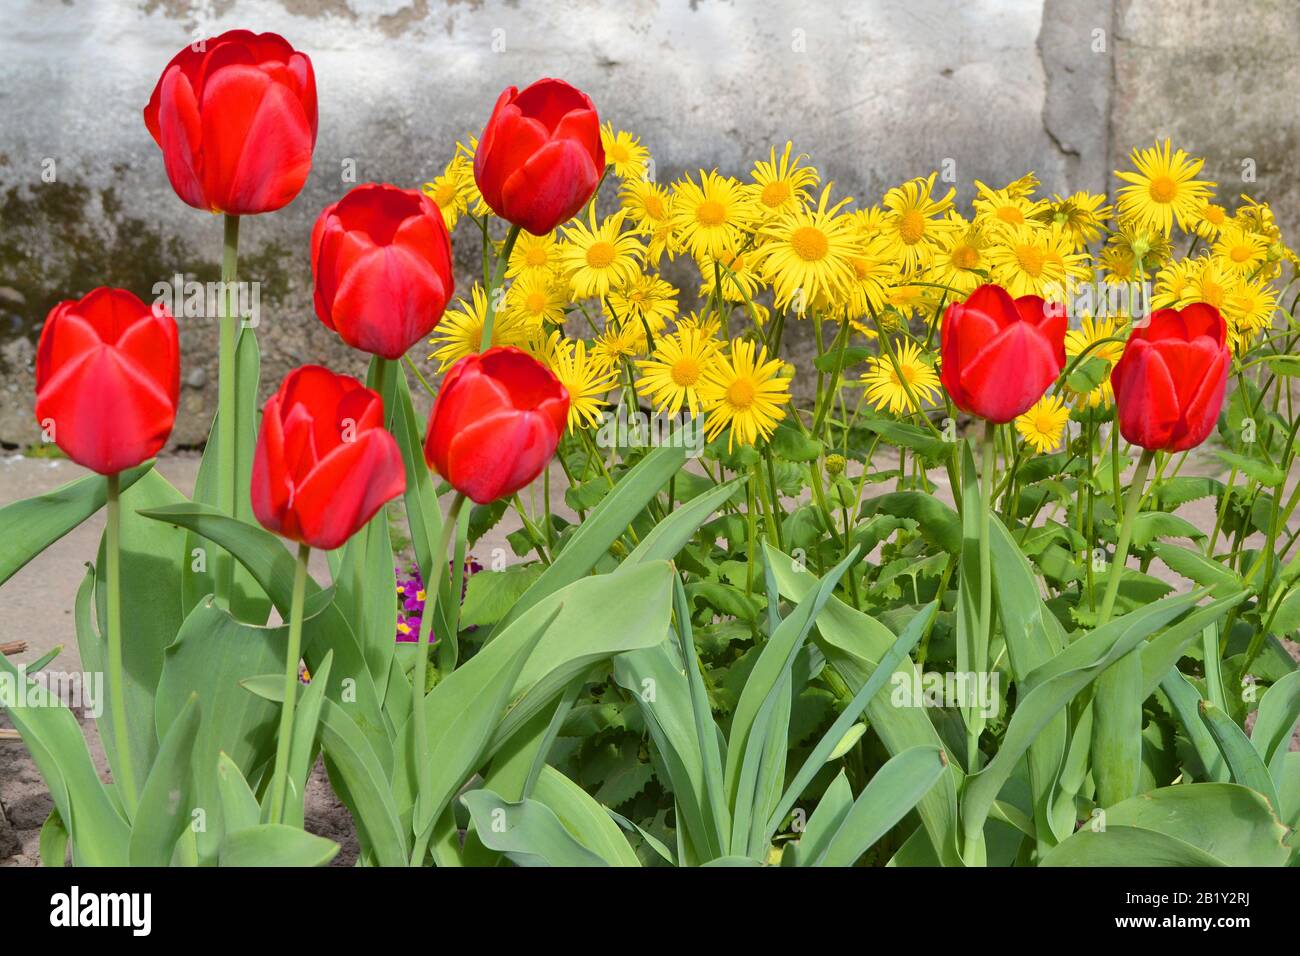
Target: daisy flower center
{"points": [[965, 257], [911, 227], [740, 393], [600, 255], [1012, 215], [711, 213], [1163, 189], [654, 206], [535, 257], [444, 194], [1214, 215], [686, 372], [810, 243], [1031, 259], [536, 302], [618, 152], [775, 193], [1240, 253]]}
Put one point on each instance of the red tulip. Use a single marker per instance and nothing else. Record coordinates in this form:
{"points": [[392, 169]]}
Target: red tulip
{"points": [[1000, 355], [495, 423], [236, 121], [1169, 383], [107, 379], [381, 262], [540, 157], [324, 464]]}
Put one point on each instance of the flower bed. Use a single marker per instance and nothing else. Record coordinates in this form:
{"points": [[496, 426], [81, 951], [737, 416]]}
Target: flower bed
{"points": [[913, 620]]}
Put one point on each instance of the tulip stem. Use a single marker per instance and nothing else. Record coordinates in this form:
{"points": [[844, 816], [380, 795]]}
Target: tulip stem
{"points": [[284, 740], [1131, 505], [227, 414], [420, 735], [125, 770], [493, 280], [988, 463]]}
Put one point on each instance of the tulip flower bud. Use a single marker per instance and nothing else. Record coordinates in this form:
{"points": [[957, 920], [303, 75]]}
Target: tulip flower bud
{"points": [[540, 157], [1000, 355], [108, 379], [1170, 382], [324, 465], [381, 264], [496, 423], [235, 117]]}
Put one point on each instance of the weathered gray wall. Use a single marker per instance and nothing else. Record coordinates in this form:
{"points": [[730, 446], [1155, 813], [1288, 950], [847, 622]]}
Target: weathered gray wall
{"points": [[876, 91]]}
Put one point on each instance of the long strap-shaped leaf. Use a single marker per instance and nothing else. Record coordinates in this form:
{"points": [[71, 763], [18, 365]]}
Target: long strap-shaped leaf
{"points": [[607, 521], [1050, 687], [821, 753], [29, 526], [754, 729], [886, 799]]}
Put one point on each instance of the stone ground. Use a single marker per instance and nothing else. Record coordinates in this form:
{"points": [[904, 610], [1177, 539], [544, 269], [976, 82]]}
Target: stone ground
{"points": [[38, 610]]}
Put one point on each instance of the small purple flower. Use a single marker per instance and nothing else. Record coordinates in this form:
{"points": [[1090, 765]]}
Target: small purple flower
{"points": [[411, 598]]}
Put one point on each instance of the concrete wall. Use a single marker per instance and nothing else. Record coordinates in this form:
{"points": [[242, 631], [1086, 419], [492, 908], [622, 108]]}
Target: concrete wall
{"points": [[876, 91]]}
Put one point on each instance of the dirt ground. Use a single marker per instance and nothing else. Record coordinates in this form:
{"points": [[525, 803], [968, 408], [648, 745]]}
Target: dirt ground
{"points": [[37, 608]]}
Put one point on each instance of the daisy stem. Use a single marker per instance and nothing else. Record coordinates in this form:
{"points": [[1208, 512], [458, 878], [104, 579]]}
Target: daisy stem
{"points": [[292, 654], [826, 399], [227, 474], [125, 769]]}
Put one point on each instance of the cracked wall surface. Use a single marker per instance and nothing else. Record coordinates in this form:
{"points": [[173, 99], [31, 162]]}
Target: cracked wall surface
{"points": [[875, 91]]}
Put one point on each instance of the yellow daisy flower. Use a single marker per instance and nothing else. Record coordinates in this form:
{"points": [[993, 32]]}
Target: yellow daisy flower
{"points": [[534, 254], [874, 275], [1146, 246], [535, 297], [650, 208], [887, 382], [1078, 340], [1043, 426], [597, 259], [996, 208], [647, 298], [707, 323], [1208, 220], [1173, 282], [712, 216], [1083, 216], [1242, 252], [460, 331], [1032, 260], [619, 341], [1250, 305], [959, 259], [744, 391], [806, 253], [464, 163], [673, 374], [624, 152], [1210, 282], [912, 222], [1164, 188], [782, 185], [586, 378], [448, 194]]}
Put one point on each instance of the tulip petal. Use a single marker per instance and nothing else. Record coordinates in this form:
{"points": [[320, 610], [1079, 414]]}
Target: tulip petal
{"points": [[1010, 373]]}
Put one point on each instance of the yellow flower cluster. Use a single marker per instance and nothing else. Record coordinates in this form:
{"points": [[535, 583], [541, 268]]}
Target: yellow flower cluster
{"points": [[601, 299]]}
